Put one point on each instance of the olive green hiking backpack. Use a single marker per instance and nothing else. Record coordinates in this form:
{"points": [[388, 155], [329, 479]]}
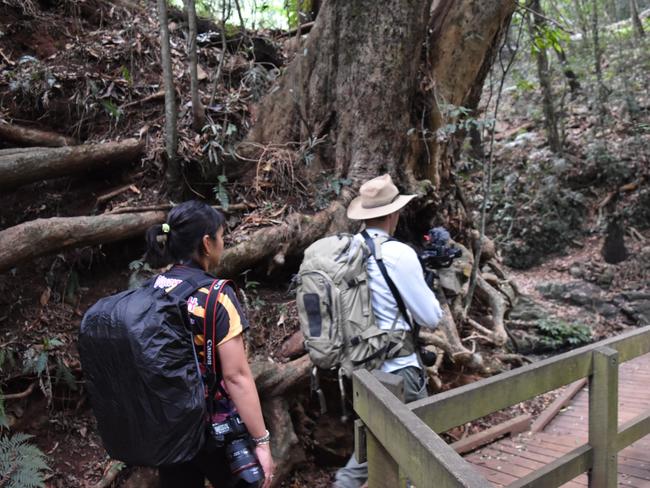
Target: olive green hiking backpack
{"points": [[335, 308]]}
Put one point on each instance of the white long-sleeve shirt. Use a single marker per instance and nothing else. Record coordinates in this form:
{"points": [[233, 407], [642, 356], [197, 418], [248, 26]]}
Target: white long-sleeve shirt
{"points": [[405, 270]]}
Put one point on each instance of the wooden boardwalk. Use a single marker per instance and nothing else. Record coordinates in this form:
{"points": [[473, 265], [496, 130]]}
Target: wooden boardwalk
{"points": [[507, 460]]}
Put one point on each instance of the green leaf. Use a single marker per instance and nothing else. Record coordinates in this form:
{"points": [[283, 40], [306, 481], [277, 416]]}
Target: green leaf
{"points": [[112, 109], [126, 74], [64, 374], [221, 193], [21, 464]]}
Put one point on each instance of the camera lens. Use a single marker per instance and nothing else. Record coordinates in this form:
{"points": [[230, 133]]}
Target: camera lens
{"points": [[428, 357], [243, 463]]}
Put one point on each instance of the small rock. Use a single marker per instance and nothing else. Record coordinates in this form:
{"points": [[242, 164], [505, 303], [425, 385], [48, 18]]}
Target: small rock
{"points": [[576, 272]]}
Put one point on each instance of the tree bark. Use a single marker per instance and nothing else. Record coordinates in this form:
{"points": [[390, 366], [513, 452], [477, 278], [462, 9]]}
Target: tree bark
{"points": [[289, 238], [39, 237], [354, 84], [26, 165], [198, 111], [637, 25], [464, 34], [537, 29], [173, 172], [582, 20], [598, 61], [33, 137]]}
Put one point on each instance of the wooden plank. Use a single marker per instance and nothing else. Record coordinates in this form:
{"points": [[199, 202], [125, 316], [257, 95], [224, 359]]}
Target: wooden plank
{"points": [[558, 472], [603, 418], [559, 403], [383, 471], [513, 426], [422, 454], [455, 407], [633, 430], [503, 467], [360, 440]]}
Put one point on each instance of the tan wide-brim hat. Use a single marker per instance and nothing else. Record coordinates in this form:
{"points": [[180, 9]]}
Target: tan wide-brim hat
{"points": [[377, 197]]}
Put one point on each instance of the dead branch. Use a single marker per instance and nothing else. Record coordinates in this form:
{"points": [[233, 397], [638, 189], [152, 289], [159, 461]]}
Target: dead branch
{"points": [[107, 196], [22, 394], [110, 474], [159, 95], [43, 236], [22, 167], [303, 29], [33, 137], [235, 207]]}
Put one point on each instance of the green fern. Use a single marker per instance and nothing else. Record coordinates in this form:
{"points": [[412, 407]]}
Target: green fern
{"points": [[22, 464]]}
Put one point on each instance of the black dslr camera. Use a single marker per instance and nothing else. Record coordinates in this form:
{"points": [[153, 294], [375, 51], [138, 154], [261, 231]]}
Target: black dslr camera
{"points": [[437, 254], [232, 434]]}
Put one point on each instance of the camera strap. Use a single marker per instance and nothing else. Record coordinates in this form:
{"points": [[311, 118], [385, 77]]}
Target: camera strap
{"points": [[391, 284], [210, 342]]}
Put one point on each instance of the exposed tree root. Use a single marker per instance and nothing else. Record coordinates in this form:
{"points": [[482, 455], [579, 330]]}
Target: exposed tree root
{"points": [[274, 379], [286, 448], [498, 305]]}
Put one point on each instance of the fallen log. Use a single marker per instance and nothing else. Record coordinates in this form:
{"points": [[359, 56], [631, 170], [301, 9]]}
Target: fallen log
{"points": [[44, 236], [23, 136], [22, 167], [292, 236], [274, 379]]}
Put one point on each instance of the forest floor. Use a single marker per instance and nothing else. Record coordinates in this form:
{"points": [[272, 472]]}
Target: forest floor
{"points": [[46, 82]]}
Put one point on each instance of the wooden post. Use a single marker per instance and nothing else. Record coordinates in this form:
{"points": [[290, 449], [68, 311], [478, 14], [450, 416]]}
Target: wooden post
{"points": [[603, 418], [383, 471]]}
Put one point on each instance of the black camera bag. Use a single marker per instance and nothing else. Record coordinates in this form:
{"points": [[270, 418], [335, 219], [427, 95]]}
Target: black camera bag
{"points": [[142, 372]]}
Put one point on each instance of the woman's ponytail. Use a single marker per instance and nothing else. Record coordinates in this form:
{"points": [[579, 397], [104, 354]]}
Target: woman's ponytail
{"points": [[157, 254], [181, 236]]}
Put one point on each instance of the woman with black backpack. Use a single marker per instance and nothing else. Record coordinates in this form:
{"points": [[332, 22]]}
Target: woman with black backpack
{"points": [[192, 239]]}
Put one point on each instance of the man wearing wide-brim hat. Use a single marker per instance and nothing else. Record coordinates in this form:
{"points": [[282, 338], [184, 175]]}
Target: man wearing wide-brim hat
{"points": [[378, 205]]}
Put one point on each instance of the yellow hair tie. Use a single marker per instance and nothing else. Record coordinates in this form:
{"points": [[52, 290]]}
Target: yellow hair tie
{"points": [[166, 228]]}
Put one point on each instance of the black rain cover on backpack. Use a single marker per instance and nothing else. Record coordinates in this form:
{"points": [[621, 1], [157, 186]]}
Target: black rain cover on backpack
{"points": [[142, 375]]}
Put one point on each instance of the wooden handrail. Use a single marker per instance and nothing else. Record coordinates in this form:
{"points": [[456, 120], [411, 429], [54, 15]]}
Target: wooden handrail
{"points": [[419, 453], [446, 410], [427, 459]]}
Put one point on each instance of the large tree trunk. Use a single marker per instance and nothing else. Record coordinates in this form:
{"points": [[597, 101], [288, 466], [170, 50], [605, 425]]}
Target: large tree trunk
{"points": [[598, 63], [350, 99], [39, 237], [464, 39], [354, 84], [26, 165], [24, 136], [173, 172], [198, 111], [637, 25], [537, 29]]}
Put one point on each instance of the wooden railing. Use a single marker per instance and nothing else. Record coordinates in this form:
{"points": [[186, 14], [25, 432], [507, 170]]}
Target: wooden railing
{"points": [[401, 440]]}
